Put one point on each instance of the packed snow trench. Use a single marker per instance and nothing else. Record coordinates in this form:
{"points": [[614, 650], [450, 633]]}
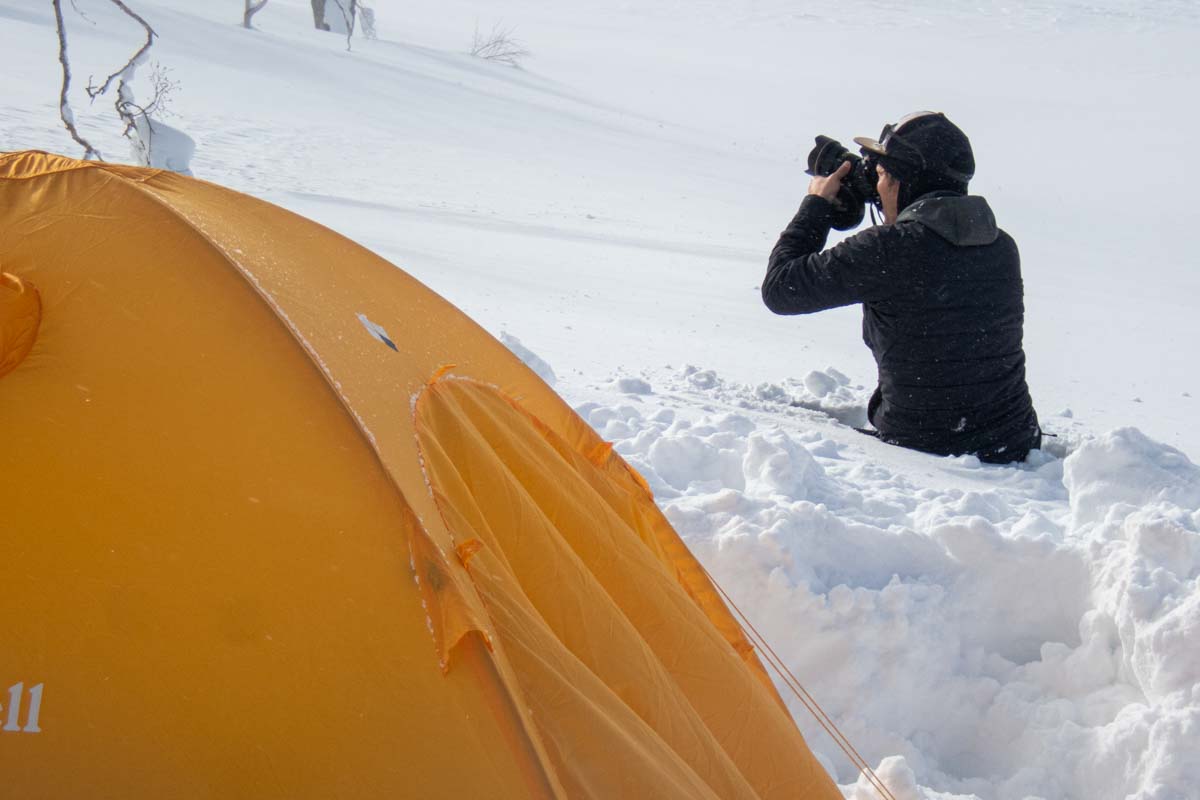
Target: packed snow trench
{"points": [[606, 209]]}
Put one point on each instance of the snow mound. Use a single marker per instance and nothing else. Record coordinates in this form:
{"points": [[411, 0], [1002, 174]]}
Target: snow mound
{"points": [[161, 146], [632, 386], [1125, 467], [528, 358]]}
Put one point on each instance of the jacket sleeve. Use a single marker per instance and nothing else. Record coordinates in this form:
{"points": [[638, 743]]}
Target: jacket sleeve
{"points": [[802, 278]]}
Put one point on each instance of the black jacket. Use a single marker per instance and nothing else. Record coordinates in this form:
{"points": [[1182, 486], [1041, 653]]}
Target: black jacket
{"points": [[943, 313]]}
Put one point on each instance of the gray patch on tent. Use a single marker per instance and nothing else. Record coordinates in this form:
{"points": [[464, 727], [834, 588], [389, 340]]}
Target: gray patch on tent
{"points": [[377, 331]]}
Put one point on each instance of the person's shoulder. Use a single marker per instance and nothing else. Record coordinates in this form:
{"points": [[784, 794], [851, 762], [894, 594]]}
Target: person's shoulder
{"points": [[885, 246], [1006, 242], [899, 238], [882, 233], [870, 238]]}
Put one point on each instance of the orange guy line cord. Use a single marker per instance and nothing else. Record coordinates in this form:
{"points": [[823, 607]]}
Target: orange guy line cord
{"points": [[806, 699]]}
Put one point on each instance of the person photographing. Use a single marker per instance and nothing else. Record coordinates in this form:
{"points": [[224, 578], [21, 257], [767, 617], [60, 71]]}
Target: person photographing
{"points": [[939, 283]]}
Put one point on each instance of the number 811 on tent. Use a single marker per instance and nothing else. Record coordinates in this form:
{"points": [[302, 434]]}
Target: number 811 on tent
{"points": [[16, 694]]}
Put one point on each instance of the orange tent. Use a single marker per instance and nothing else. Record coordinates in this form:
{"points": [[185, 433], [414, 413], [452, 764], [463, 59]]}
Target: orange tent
{"points": [[277, 521]]}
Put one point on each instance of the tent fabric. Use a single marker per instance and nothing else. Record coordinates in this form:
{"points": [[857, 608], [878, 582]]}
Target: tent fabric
{"points": [[20, 315], [279, 521]]}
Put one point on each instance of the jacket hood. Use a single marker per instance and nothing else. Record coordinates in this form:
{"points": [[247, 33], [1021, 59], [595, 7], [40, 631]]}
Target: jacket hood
{"points": [[964, 220]]}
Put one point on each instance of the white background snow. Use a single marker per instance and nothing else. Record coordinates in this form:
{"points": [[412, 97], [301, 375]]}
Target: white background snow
{"points": [[1002, 632]]}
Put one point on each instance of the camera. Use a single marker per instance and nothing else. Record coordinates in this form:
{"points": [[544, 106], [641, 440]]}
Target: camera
{"points": [[858, 187]]}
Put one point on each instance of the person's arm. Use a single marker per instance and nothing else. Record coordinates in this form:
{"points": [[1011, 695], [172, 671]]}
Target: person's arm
{"points": [[802, 279]]}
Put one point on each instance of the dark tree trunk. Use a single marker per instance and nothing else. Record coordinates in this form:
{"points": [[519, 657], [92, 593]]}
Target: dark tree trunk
{"points": [[318, 7]]}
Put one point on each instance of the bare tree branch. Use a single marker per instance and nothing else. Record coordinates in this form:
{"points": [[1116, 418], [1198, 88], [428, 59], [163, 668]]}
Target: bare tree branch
{"points": [[96, 91], [64, 106], [252, 8], [124, 105], [127, 109]]}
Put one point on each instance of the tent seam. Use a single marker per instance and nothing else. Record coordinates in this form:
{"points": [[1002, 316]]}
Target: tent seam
{"points": [[529, 726]]}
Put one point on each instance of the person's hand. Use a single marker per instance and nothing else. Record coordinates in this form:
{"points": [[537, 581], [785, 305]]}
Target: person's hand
{"points": [[827, 186]]}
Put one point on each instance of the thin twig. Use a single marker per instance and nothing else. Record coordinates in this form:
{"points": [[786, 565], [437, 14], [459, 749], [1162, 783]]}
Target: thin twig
{"points": [[79, 11], [499, 45]]}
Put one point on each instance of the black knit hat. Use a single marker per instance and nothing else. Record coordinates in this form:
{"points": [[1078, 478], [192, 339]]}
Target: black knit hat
{"points": [[924, 148]]}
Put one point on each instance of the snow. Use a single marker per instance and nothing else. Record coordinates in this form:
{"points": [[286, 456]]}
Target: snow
{"points": [[529, 358], [162, 147], [606, 210], [1006, 631]]}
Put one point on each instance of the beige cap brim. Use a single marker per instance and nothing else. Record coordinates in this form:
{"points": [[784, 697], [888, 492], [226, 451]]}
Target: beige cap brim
{"points": [[870, 144]]}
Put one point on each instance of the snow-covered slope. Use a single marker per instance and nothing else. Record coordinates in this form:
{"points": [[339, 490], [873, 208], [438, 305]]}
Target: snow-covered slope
{"points": [[1007, 632]]}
